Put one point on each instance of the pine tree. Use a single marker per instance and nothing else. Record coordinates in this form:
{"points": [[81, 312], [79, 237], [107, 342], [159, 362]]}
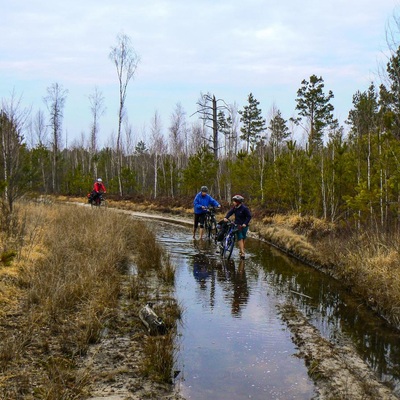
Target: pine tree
{"points": [[279, 132], [313, 105], [253, 122]]}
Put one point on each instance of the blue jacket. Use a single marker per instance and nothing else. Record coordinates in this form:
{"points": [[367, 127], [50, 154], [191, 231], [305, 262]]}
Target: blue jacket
{"points": [[206, 201], [242, 215]]}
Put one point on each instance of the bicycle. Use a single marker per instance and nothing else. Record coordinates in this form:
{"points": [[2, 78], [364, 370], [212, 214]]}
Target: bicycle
{"points": [[228, 242], [210, 224], [99, 202]]}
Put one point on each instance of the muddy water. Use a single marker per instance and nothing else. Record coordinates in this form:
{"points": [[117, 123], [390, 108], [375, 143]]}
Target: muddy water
{"points": [[233, 343]]}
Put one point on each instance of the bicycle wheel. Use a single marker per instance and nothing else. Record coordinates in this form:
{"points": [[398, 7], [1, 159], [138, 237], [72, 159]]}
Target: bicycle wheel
{"points": [[208, 227], [228, 246], [214, 230]]}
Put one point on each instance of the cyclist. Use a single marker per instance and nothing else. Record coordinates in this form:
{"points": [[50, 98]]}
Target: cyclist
{"points": [[242, 219], [98, 189], [201, 202]]}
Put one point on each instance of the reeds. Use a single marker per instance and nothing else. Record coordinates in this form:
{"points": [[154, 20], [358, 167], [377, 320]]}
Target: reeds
{"points": [[64, 291]]}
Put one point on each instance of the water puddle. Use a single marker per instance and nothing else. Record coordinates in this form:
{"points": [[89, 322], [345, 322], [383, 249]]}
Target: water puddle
{"points": [[233, 343]]}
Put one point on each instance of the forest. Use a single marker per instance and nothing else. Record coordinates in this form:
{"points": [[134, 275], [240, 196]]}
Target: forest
{"points": [[348, 175]]}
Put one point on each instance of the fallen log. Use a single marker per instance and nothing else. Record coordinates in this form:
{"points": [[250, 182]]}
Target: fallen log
{"points": [[154, 324]]}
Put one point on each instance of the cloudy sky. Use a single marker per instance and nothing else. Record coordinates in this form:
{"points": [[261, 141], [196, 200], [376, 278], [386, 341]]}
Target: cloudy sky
{"points": [[228, 48]]}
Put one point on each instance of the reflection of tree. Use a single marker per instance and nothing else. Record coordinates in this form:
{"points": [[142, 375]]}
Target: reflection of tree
{"points": [[240, 289]]}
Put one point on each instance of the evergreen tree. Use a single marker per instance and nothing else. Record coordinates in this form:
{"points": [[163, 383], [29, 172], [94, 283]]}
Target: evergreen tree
{"points": [[392, 98], [315, 106], [253, 122], [279, 132]]}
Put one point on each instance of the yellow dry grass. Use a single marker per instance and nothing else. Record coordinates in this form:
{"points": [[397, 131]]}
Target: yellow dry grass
{"points": [[60, 292]]}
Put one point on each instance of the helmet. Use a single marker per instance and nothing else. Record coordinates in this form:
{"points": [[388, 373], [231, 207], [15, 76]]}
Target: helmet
{"points": [[99, 180], [204, 189], [238, 198]]}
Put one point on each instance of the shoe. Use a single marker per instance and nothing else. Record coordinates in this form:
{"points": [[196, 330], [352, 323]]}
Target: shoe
{"points": [[242, 257]]}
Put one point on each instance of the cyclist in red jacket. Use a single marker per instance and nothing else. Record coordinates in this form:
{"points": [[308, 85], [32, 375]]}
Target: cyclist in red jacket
{"points": [[98, 189]]}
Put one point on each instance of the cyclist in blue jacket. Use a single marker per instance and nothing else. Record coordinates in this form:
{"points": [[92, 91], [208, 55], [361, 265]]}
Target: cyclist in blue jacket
{"points": [[201, 202], [242, 219]]}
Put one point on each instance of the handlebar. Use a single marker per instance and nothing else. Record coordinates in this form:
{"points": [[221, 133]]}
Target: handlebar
{"points": [[210, 209]]}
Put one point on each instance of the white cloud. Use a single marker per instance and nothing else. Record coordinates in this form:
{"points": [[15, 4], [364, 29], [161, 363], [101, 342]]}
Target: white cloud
{"points": [[188, 47]]}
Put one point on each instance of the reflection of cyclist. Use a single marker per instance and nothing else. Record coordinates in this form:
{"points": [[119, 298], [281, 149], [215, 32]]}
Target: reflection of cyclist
{"points": [[242, 219], [201, 202], [201, 273], [98, 189], [240, 289]]}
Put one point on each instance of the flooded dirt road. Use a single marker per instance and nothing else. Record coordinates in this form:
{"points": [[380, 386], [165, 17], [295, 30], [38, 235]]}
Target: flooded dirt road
{"points": [[233, 340]]}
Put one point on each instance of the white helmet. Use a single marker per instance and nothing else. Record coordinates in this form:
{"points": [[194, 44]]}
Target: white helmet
{"points": [[238, 198], [99, 180]]}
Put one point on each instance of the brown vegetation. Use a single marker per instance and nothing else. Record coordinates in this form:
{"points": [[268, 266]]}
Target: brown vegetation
{"points": [[67, 288]]}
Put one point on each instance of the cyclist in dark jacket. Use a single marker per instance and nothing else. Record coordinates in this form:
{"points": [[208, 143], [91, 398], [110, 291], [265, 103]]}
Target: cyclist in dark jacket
{"points": [[242, 219], [201, 202]]}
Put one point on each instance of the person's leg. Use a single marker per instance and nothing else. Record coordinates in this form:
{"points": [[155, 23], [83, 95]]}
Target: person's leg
{"points": [[202, 217], [241, 235], [196, 223], [241, 247]]}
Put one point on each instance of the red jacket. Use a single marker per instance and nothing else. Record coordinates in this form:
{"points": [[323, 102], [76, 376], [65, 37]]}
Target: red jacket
{"points": [[99, 187]]}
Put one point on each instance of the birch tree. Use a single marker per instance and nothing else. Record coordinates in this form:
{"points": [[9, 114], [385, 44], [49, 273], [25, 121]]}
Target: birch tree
{"points": [[97, 109], [14, 165], [126, 61], [55, 102]]}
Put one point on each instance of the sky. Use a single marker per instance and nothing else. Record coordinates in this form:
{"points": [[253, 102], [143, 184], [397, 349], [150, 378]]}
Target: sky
{"points": [[228, 48]]}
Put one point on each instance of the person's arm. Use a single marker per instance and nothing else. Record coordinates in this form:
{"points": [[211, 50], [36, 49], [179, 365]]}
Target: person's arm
{"points": [[248, 217], [229, 213], [197, 205], [215, 203]]}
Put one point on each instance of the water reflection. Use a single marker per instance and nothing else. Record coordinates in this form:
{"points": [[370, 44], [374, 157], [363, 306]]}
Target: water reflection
{"points": [[234, 344], [339, 316], [233, 280]]}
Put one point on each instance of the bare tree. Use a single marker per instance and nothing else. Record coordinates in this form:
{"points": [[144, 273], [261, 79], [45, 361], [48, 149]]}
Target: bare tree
{"points": [[177, 137], [126, 61], [98, 109], [55, 102], [12, 151], [157, 148], [208, 109], [39, 130]]}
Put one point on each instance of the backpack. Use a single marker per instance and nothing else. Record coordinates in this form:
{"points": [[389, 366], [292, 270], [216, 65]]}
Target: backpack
{"points": [[222, 229]]}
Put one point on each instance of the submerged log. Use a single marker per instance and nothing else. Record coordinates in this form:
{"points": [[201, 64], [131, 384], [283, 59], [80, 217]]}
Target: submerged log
{"points": [[154, 324]]}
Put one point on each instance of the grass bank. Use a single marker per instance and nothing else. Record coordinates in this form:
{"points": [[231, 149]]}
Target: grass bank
{"points": [[367, 263], [66, 287]]}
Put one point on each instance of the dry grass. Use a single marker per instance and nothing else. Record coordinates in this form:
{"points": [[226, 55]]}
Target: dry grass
{"points": [[371, 266], [61, 292], [287, 240], [159, 357], [369, 263]]}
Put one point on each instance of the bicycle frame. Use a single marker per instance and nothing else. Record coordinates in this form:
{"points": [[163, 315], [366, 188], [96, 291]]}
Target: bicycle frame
{"points": [[228, 242], [210, 223], [100, 201]]}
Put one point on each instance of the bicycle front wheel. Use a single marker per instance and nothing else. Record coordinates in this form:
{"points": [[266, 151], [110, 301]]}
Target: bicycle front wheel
{"points": [[213, 230], [228, 246]]}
